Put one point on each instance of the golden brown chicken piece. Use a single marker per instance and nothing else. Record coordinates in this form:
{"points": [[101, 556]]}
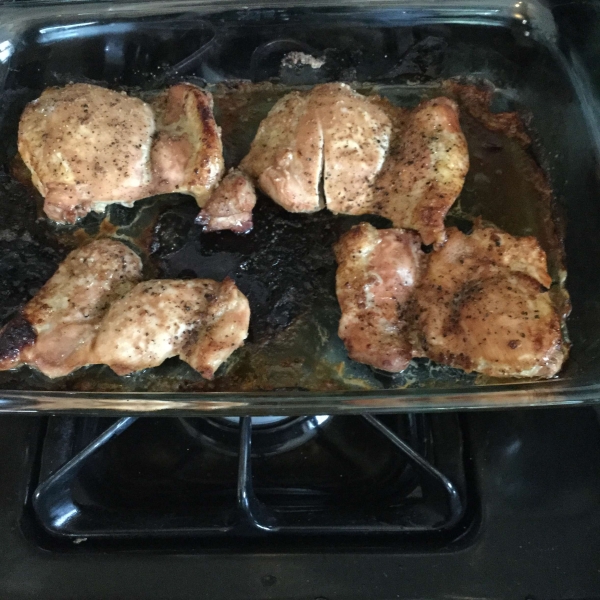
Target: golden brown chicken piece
{"points": [[374, 158], [187, 154], [87, 146], [482, 306], [286, 156], [94, 311], [224, 330], [377, 272], [356, 137], [331, 132], [425, 170], [56, 328], [231, 204], [200, 320]]}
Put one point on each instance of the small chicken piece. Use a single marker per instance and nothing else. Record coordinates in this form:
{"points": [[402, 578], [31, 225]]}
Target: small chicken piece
{"points": [[55, 330], [200, 320], [87, 146], [482, 306], [377, 272], [425, 170], [286, 156], [231, 204], [187, 154], [224, 330], [356, 134]]}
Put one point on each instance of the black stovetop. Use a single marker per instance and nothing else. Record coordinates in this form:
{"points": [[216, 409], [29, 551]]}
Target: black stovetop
{"points": [[531, 526]]}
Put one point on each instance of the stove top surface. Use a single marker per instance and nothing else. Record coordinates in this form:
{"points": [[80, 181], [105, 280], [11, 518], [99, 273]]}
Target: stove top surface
{"points": [[530, 527]]}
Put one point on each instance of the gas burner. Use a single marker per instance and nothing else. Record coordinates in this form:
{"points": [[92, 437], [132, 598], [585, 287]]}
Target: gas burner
{"points": [[270, 435]]}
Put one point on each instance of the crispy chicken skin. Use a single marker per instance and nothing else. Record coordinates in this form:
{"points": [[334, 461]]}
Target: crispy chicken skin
{"points": [[87, 146], [377, 272], [231, 204], [200, 320], [425, 170], [482, 306], [56, 328], [286, 156]]}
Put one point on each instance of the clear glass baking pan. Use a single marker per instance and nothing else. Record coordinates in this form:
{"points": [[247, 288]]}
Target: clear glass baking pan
{"points": [[539, 59]]}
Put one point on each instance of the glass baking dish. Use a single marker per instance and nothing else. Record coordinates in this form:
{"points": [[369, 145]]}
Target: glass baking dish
{"points": [[534, 55]]}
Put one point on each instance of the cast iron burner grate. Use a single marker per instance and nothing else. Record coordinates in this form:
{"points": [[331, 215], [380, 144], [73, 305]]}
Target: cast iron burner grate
{"points": [[247, 477]]}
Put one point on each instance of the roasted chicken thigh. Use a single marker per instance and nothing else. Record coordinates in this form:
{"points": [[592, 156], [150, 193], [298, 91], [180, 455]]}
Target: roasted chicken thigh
{"points": [[286, 156], [480, 303], [87, 146], [356, 137], [55, 331], [424, 171], [332, 134], [200, 320], [187, 153], [94, 310], [377, 272], [483, 305], [372, 157]]}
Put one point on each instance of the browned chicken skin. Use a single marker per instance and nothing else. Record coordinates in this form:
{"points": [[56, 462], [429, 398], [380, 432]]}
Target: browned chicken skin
{"points": [[482, 306], [480, 303], [424, 172], [93, 310], [377, 272], [200, 320], [87, 146], [231, 204], [286, 156], [224, 329], [374, 158], [187, 154], [330, 133], [356, 134], [57, 327]]}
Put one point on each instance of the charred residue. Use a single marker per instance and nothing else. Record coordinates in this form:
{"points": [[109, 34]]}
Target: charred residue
{"points": [[16, 335]]}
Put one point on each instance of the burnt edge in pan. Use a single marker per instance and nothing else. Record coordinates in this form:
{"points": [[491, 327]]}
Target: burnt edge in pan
{"points": [[285, 266], [16, 335]]}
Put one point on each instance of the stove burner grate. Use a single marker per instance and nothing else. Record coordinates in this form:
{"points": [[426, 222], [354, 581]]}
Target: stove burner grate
{"points": [[232, 477]]}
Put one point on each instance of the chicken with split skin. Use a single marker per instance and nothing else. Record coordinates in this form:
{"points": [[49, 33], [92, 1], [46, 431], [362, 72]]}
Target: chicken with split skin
{"points": [[359, 155]]}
